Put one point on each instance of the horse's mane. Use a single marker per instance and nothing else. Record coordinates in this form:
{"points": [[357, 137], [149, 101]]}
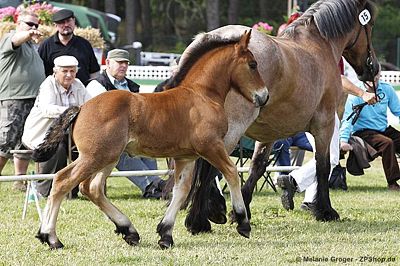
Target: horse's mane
{"points": [[333, 18], [204, 43]]}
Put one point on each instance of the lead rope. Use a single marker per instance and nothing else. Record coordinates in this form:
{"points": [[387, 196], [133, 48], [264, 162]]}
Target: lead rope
{"points": [[357, 108]]}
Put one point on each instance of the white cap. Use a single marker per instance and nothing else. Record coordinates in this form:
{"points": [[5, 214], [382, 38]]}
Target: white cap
{"points": [[65, 60]]}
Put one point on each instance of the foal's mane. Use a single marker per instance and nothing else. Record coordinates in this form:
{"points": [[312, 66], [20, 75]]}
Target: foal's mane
{"points": [[204, 43], [333, 18]]}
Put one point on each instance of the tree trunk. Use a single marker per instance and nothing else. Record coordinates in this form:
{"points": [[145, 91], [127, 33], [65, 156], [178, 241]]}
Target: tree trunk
{"points": [[212, 14], [147, 27], [130, 20], [109, 6], [233, 12], [94, 4]]}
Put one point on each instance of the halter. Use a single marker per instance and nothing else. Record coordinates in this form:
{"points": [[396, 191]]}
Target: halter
{"points": [[364, 18]]}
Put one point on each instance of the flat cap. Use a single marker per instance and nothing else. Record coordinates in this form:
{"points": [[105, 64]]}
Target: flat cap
{"points": [[62, 14], [65, 61], [118, 55]]}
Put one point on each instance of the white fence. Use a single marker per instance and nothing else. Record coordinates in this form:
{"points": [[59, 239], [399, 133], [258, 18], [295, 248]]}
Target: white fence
{"points": [[164, 72]]}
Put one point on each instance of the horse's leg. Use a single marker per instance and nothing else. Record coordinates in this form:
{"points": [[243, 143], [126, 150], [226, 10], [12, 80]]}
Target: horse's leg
{"points": [[323, 138], [220, 159], [259, 163], [94, 189], [183, 181], [63, 182]]}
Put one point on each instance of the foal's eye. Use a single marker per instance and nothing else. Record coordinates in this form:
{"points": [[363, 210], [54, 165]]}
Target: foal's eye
{"points": [[253, 65]]}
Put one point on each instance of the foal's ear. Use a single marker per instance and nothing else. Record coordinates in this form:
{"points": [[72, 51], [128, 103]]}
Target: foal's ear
{"points": [[244, 40]]}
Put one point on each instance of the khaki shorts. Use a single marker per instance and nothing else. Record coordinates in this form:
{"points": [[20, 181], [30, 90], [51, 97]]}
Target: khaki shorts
{"points": [[13, 114]]}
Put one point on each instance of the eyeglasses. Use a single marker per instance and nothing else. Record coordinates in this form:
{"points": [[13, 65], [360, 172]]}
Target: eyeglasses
{"points": [[31, 24]]}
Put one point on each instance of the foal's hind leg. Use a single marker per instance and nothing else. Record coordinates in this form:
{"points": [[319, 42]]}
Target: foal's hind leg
{"points": [[94, 189], [63, 182], [183, 181]]}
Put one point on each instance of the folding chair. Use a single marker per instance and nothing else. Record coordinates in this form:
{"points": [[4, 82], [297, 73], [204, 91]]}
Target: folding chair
{"points": [[244, 151]]}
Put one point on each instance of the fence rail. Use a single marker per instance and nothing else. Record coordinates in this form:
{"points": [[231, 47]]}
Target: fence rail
{"points": [[164, 72]]}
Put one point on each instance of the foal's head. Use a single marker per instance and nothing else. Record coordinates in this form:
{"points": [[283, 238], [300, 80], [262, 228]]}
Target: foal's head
{"points": [[245, 76]]}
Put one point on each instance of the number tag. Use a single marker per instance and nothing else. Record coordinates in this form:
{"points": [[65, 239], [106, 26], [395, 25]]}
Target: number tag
{"points": [[364, 17]]}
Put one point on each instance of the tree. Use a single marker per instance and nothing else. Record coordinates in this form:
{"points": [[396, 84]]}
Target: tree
{"points": [[233, 12], [130, 20], [109, 6], [212, 10], [147, 28]]}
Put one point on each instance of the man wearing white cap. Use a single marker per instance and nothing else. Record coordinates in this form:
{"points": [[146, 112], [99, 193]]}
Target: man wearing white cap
{"points": [[57, 92]]}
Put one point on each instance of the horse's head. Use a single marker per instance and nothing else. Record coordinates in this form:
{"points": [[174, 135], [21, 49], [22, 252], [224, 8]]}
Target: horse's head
{"points": [[245, 76], [359, 51]]}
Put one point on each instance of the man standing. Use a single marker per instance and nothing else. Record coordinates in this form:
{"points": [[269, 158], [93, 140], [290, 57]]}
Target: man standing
{"points": [[113, 78], [64, 42], [21, 73]]}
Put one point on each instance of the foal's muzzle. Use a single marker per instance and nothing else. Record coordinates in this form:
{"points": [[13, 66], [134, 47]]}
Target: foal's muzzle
{"points": [[260, 97]]}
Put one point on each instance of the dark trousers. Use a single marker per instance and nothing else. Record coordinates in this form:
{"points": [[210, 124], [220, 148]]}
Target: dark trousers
{"points": [[387, 144], [52, 166]]}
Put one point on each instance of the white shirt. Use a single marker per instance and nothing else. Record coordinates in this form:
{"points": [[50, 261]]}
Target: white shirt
{"points": [[50, 103]]}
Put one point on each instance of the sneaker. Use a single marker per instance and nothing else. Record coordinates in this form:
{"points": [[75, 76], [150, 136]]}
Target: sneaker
{"points": [[19, 185], [394, 187], [307, 206], [287, 184], [154, 189]]}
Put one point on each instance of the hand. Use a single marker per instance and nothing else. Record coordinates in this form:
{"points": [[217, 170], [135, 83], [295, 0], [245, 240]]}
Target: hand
{"points": [[369, 97], [35, 35], [344, 146]]}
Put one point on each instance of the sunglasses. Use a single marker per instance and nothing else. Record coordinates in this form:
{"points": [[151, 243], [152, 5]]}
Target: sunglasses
{"points": [[31, 24]]}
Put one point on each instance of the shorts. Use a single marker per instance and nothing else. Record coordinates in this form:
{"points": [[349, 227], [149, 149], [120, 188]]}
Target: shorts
{"points": [[13, 114]]}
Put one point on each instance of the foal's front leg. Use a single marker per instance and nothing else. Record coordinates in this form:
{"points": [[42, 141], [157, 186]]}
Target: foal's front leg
{"points": [[219, 157], [183, 181]]}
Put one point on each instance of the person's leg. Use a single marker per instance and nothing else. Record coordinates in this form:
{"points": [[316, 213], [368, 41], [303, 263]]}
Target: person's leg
{"points": [[127, 163], [56, 163], [283, 146], [387, 149], [300, 140]]}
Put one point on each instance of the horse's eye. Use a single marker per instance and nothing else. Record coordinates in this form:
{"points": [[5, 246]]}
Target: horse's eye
{"points": [[253, 65]]}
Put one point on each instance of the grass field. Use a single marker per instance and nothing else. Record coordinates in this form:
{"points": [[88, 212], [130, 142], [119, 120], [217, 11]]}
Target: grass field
{"points": [[367, 234]]}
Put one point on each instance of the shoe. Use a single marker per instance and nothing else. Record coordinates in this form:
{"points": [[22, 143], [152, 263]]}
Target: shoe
{"points": [[394, 187], [154, 189], [19, 185], [307, 206], [287, 184]]}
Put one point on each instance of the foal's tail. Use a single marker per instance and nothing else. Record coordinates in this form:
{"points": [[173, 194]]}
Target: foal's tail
{"points": [[55, 134]]}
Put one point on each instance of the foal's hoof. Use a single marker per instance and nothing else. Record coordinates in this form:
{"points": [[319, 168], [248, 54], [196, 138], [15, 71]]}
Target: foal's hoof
{"points": [[166, 242], [44, 239], [326, 215], [132, 238], [244, 229]]}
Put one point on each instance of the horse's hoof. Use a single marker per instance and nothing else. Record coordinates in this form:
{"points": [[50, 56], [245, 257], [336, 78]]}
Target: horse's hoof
{"points": [[132, 239], [56, 245], [166, 242], [217, 218], [244, 230], [326, 215]]}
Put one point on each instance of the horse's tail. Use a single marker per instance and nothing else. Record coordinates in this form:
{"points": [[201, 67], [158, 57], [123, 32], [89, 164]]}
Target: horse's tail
{"points": [[55, 134], [207, 203]]}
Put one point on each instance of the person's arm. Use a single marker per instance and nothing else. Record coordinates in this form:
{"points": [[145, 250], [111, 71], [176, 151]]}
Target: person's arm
{"points": [[21, 37], [94, 88], [350, 88], [346, 127], [94, 75]]}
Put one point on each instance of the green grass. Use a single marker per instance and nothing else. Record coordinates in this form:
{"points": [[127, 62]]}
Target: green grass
{"points": [[369, 226]]}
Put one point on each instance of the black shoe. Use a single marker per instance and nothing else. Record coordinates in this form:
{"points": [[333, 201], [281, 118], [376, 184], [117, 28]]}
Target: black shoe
{"points": [[154, 189], [287, 184], [307, 206]]}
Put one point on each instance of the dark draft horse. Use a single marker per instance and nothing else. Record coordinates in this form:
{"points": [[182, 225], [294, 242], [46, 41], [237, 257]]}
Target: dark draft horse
{"points": [[184, 123], [300, 69]]}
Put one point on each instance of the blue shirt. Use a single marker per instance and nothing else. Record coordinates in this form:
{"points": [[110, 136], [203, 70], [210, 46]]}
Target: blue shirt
{"points": [[371, 116]]}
